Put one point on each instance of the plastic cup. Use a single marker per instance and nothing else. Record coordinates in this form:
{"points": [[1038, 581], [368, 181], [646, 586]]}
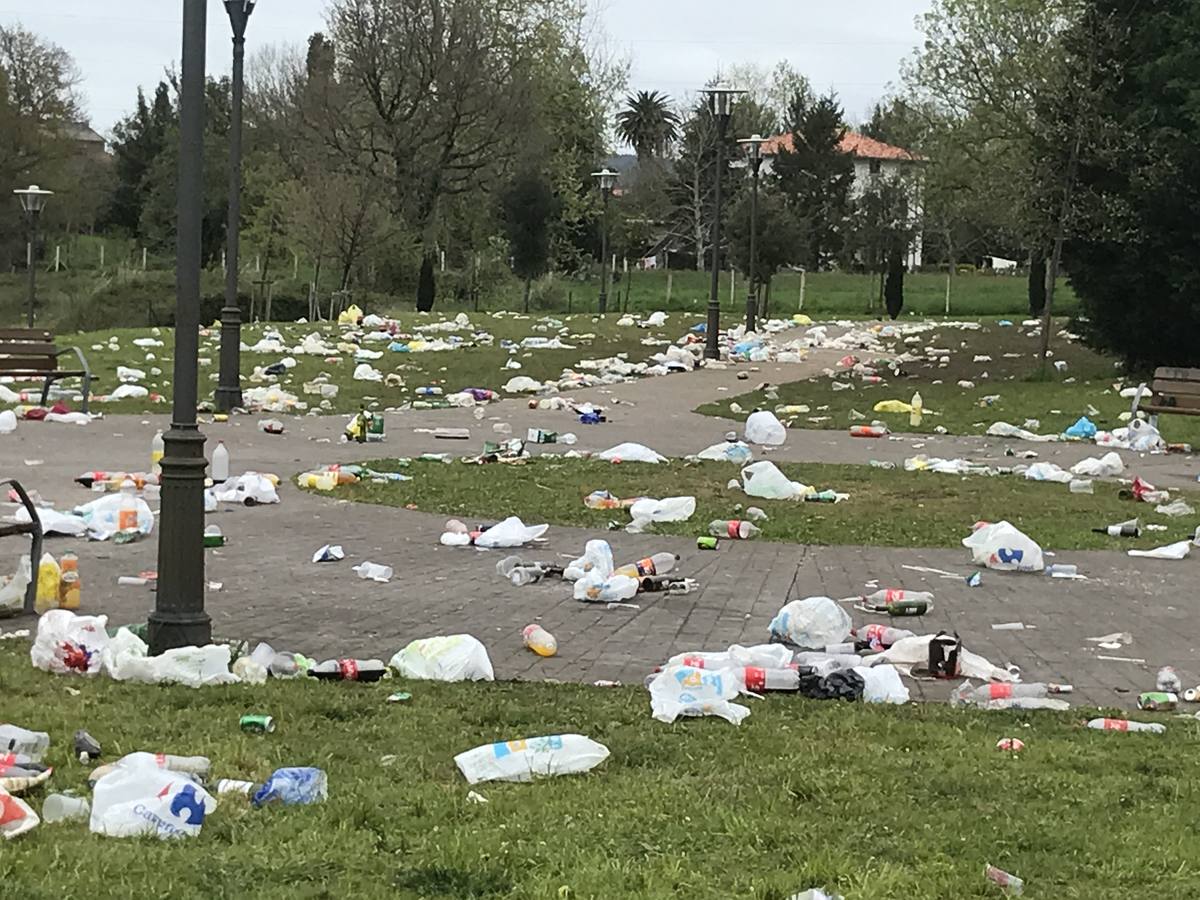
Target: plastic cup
{"points": [[64, 808]]}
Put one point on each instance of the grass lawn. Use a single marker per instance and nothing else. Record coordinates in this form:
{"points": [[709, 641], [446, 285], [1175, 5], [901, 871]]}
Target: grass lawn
{"points": [[475, 366], [885, 509], [876, 803], [1056, 403]]}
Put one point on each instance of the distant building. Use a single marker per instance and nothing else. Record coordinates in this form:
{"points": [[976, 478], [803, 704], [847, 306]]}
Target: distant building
{"points": [[87, 143]]}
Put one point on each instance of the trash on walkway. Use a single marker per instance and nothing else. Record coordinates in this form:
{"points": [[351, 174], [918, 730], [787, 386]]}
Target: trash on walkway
{"points": [[647, 510], [1003, 547], [1176, 551], [511, 532], [295, 786], [539, 640], [811, 624], [530, 758], [763, 427], [1107, 466], [1168, 680], [1112, 641], [1007, 430], [1083, 429], [373, 572], [13, 587], [329, 553], [250, 489], [458, 657], [687, 691], [918, 652]]}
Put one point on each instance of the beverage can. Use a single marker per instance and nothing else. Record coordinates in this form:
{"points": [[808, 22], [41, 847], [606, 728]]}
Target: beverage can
{"points": [[706, 543], [257, 724], [1158, 701]]}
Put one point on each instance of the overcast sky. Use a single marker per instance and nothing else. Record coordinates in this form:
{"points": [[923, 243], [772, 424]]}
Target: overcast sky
{"points": [[675, 45]]}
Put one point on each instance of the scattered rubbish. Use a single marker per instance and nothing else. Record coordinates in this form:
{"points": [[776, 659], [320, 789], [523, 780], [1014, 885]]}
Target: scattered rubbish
{"points": [[270, 426], [1158, 701], [1107, 466], [736, 529], [875, 430], [139, 796], [631, 452], [366, 671], [473, 797], [1168, 680], [898, 603], [373, 571], [1013, 626], [975, 579], [1010, 745], [1175, 509], [530, 758], [87, 748], [64, 808], [1112, 641], [688, 691], [763, 427], [764, 479], [811, 624], [257, 724], [459, 657], [1131, 528], [1062, 570], [647, 510], [1176, 551], [293, 787], [1125, 659], [330, 553], [16, 816], [539, 640], [1081, 486], [1003, 547], [1126, 725], [1012, 883], [706, 542], [399, 697]]}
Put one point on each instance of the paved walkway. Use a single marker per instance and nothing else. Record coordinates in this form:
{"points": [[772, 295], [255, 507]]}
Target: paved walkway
{"points": [[271, 591]]}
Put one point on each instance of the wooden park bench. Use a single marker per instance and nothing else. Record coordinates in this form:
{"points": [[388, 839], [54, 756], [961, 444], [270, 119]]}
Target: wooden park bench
{"points": [[1173, 391], [29, 354], [33, 528]]}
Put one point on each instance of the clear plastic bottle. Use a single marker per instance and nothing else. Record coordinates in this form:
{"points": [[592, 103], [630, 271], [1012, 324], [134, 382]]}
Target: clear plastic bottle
{"points": [[658, 564], [1126, 725], [918, 411], [367, 670], [1062, 570], [220, 463], [881, 636], [157, 449], [539, 640], [1005, 691], [1014, 884], [127, 515], [1168, 680], [69, 584], [23, 742], [733, 528]]}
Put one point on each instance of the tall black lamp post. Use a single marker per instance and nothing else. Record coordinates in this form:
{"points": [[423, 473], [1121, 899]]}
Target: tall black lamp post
{"points": [[179, 619], [33, 201], [753, 146], [721, 98], [229, 382], [607, 180]]}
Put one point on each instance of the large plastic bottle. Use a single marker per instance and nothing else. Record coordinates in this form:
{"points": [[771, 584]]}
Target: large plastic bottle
{"points": [[157, 449], [69, 586], [658, 564], [733, 528], [1004, 691], [1126, 725], [127, 515], [49, 580], [349, 670], [220, 463], [881, 636], [539, 640], [918, 411], [23, 742]]}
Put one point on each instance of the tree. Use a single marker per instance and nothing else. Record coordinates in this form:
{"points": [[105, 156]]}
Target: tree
{"points": [[1132, 252], [815, 175], [777, 241], [138, 140], [41, 77], [771, 91], [528, 208], [881, 231], [692, 182], [648, 124]]}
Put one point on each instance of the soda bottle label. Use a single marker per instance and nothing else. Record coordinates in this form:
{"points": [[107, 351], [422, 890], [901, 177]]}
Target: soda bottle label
{"points": [[892, 595], [755, 678], [1116, 725], [1000, 691], [735, 529], [349, 669], [646, 568]]}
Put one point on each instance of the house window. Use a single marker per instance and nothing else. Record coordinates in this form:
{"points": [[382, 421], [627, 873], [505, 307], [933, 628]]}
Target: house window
{"points": [[874, 166]]}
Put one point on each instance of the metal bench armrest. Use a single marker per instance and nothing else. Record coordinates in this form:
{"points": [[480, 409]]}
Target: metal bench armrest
{"points": [[79, 355], [35, 532]]}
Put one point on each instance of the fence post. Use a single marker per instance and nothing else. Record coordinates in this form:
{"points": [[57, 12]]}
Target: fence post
{"points": [[143, 259], [57, 256], [670, 277], [803, 273], [102, 254]]}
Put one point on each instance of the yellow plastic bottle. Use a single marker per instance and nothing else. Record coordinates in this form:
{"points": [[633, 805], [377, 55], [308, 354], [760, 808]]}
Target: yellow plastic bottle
{"points": [[540, 641], [918, 411], [48, 577]]}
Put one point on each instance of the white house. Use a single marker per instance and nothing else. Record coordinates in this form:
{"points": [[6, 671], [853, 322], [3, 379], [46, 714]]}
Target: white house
{"points": [[872, 159]]}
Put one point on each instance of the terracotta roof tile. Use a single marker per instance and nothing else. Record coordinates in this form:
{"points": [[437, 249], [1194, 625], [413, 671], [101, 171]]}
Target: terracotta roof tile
{"points": [[853, 144]]}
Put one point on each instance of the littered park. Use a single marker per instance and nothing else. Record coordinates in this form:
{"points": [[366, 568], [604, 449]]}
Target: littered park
{"points": [[762, 500]]}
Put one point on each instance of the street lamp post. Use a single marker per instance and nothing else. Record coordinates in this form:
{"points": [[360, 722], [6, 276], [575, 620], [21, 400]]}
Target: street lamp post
{"points": [[179, 619], [721, 98], [229, 382], [33, 201], [753, 146], [607, 180]]}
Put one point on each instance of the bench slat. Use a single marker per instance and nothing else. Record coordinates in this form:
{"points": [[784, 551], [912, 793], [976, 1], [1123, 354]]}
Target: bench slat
{"points": [[27, 348], [1174, 373], [25, 334], [28, 364], [1176, 388], [1171, 410]]}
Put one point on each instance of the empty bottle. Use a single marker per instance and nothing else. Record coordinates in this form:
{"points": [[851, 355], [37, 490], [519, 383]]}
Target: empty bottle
{"points": [[1081, 486], [1062, 570], [198, 766], [69, 586], [759, 679], [998, 876], [368, 670], [1132, 528], [868, 431], [127, 515], [899, 603], [293, 786], [658, 564], [539, 640], [1126, 725], [220, 463], [734, 528], [879, 637], [918, 411], [157, 449], [1004, 691], [1168, 680], [49, 581]]}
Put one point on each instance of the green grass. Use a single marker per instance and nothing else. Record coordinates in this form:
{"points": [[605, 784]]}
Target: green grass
{"points": [[476, 366], [1056, 402], [877, 803], [885, 509]]}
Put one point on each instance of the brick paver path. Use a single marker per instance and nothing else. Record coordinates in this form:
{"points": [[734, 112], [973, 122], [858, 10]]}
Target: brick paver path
{"points": [[272, 591]]}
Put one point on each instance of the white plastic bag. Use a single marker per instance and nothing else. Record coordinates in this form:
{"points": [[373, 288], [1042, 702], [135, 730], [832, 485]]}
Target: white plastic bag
{"points": [[53, 521], [1106, 466], [882, 684], [457, 657], [142, 799], [67, 643], [1047, 471], [127, 659], [8, 421], [367, 372], [811, 624], [597, 588], [522, 384], [687, 691], [1176, 551], [1002, 546], [1144, 437], [16, 816], [764, 479], [727, 451], [530, 758], [512, 532], [102, 516], [765, 656], [631, 452], [669, 509], [914, 651], [248, 490], [596, 555], [12, 587], [763, 427]]}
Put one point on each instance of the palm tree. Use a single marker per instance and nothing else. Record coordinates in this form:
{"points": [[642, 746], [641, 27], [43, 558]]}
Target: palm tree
{"points": [[648, 124]]}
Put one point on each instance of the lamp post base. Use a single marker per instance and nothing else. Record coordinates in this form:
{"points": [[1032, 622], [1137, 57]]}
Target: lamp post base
{"points": [[228, 395]]}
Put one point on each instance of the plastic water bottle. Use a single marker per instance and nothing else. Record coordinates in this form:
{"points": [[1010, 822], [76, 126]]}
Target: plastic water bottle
{"points": [[759, 680], [733, 528], [868, 431], [539, 640], [367, 670], [157, 449], [1005, 691], [658, 564], [1062, 570], [220, 463], [293, 787], [918, 411], [127, 516], [1126, 725], [1081, 486], [524, 760], [881, 636], [21, 741], [1168, 680], [1014, 884]]}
